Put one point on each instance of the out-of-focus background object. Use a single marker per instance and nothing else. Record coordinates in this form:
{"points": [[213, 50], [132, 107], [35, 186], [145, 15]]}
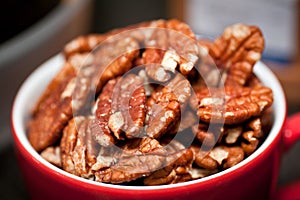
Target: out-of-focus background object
{"points": [[32, 31], [279, 21]]}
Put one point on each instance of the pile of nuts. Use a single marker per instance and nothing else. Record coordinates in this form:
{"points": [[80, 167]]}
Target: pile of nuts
{"points": [[153, 104]]}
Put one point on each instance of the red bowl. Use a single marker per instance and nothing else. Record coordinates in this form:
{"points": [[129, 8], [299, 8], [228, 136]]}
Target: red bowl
{"points": [[253, 178]]}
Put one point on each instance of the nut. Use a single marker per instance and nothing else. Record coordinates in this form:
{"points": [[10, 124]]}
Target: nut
{"points": [[52, 112], [252, 136], [78, 149], [152, 59], [206, 137], [162, 115], [52, 155], [136, 159], [83, 44], [114, 58], [236, 52], [235, 156], [239, 104], [100, 130], [128, 107]]}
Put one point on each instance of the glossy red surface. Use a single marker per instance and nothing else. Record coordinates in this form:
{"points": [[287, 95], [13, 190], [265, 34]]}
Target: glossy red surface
{"points": [[291, 132]]}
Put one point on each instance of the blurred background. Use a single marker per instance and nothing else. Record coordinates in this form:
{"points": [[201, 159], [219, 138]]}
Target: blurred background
{"points": [[32, 31]]}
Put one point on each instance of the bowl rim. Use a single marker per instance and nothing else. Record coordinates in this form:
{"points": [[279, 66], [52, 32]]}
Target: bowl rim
{"points": [[53, 65]]}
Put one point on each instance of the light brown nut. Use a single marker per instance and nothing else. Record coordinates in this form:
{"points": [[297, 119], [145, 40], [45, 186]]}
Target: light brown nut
{"points": [[197, 173], [183, 41], [68, 143], [235, 156], [177, 164], [251, 143], [202, 158], [232, 134], [165, 105], [239, 104], [162, 176], [202, 134], [236, 52], [52, 111], [68, 71], [137, 158], [172, 44], [181, 87], [83, 44], [121, 110], [181, 27], [100, 130], [219, 156], [109, 156], [130, 168], [176, 169], [152, 59], [128, 107], [114, 58], [162, 115], [256, 126], [52, 155], [78, 149], [87, 43], [188, 120]]}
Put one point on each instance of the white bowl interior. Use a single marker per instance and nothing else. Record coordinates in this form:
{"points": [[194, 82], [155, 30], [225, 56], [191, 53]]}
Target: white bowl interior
{"points": [[37, 81]]}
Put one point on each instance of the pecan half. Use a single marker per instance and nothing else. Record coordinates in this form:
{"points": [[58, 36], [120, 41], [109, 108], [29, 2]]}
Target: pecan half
{"points": [[155, 69], [181, 87], [128, 107], [137, 158], [235, 156], [87, 43], [219, 156], [83, 44], [165, 105], [78, 149], [183, 41], [205, 136], [113, 58], [177, 166], [236, 52], [121, 110], [162, 115], [202, 158], [172, 44], [239, 104], [52, 111], [100, 130], [52, 155], [252, 136]]}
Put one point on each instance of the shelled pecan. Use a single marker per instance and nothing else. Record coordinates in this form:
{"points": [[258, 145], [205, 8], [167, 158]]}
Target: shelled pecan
{"points": [[236, 52], [238, 104]]}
